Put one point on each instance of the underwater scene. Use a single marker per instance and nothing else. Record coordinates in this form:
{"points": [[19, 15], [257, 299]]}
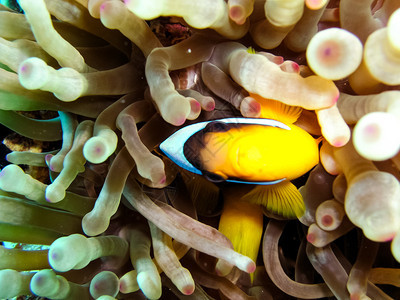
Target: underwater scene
{"points": [[200, 149]]}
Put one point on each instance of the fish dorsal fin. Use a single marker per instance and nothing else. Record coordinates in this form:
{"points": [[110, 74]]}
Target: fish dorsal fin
{"points": [[251, 50], [282, 199], [273, 109]]}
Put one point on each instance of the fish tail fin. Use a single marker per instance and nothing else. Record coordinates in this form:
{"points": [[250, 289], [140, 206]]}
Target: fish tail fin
{"points": [[242, 223], [282, 199], [273, 109]]}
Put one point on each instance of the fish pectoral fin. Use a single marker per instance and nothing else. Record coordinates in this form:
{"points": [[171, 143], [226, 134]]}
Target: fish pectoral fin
{"points": [[282, 199]]}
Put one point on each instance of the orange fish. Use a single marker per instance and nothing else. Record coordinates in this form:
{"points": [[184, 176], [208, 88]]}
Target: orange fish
{"points": [[264, 152]]}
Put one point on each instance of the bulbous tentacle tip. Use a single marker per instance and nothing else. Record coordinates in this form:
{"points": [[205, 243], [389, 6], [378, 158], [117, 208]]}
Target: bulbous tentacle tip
{"points": [[32, 73], [54, 193], [311, 238], [93, 225], [340, 141], [210, 106], [237, 14], [195, 109], [150, 285], [251, 267], [188, 289], [250, 107], [178, 120]]}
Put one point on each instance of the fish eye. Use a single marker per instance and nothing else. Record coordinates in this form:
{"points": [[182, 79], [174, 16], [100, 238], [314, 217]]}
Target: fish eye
{"points": [[216, 126], [213, 177]]}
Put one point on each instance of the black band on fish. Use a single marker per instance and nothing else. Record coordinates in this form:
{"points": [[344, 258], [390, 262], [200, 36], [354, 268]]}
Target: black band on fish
{"points": [[217, 126]]}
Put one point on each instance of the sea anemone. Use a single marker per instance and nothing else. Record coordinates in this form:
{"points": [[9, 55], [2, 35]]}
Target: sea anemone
{"points": [[99, 84]]}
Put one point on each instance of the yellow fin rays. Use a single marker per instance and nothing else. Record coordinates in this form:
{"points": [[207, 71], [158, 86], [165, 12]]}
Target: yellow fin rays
{"points": [[273, 109], [283, 199], [242, 223]]}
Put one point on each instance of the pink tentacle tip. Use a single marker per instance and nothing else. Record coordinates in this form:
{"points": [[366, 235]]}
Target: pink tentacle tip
{"points": [[336, 97], [98, 286], [372, 132], [236, 14], [24, 68], [311, 238], [127, 1], [188, 289], [327, 51], [279, 60], [98, 150], [389, 237], [340, 141], [122, 286], [210, 106], [39, 280], [327, 220], [179, 121], [296, 67], [48, 157], [254, 107], [195, 106], [103, 6], [47, 160], [251, 267], [55, 255]]}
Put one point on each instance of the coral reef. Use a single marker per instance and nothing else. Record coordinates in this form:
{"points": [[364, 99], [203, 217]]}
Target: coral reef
{"points": [[99, 84]]}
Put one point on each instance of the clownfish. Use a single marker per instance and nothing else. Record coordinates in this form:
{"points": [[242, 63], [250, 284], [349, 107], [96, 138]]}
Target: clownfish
{"points": [[267, 152]]}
